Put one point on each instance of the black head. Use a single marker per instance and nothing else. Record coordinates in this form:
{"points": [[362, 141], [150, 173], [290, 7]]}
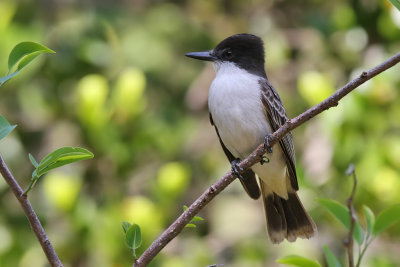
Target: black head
{"points": [[245, 50]]}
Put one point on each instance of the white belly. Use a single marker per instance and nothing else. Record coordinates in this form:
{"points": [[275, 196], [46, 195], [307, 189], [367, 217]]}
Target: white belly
{"points": [[238, 113]]}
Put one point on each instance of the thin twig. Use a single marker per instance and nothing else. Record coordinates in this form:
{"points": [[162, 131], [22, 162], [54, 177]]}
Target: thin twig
{"points": [[31, 215], [176, 227], [348, 242], [360, 256]]}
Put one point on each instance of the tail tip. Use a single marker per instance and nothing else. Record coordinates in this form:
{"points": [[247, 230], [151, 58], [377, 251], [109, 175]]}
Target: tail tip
{"points": [[303, 232]]}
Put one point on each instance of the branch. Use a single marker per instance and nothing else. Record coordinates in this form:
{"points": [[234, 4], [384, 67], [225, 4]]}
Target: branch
{"points": [[176, 227], [31, 215]]}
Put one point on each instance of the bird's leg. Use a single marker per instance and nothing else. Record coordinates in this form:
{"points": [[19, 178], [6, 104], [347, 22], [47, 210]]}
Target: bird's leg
{"points": [[236, 169], [267, 144]]}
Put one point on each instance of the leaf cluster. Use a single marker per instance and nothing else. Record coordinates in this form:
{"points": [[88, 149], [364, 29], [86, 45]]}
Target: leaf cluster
{"points": [[20, 56]]}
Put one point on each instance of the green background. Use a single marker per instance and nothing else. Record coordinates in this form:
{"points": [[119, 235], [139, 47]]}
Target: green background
{"points": [[120, 86]]}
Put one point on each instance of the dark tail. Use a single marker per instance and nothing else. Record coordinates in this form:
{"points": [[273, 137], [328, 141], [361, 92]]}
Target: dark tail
{"points": [[287, 218]]}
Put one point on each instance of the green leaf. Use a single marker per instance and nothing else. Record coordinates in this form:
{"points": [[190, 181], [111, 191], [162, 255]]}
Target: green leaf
{"points": [[61, 157], [370, 218], [55, 159], [24, 53], [295, 260], [386, 218], [5, 127], [341, 212], [6, 78], [330, 257], [28, 58], [33, 160], [133, 237], [196, 219], [126, 226], [396, 3]]}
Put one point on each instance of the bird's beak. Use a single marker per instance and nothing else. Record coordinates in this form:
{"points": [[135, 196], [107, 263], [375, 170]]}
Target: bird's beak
{"points": [[207, 56]]}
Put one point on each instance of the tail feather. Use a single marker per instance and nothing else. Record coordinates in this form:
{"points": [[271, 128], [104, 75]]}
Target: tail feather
{"points": [[276, 220], [287, 218]]}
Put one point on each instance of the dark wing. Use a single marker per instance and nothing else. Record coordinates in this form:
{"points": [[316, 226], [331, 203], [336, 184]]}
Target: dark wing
{"points": [[277, 117], [250, 182]]}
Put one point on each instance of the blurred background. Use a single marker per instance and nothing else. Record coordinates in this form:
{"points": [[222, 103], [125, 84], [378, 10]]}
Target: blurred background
{"points": [[120, 86]]}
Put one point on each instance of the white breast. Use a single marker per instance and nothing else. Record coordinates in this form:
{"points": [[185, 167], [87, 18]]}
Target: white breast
{"points": [[236, 108]]}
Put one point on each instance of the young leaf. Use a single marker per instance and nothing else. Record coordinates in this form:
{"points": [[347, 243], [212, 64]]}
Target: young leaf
{"points": [[133, 238], [295, 260], [330, 257], [125, 226], [341, 212], [386, 218], [369, 217], [61, 157], [55, 159], [5, 127], [396, 3], [196, 219], [33, 160], [24, 53]]}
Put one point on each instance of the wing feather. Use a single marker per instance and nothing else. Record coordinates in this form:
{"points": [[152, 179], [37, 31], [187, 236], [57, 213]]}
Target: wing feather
{"points": [[276, 115]]}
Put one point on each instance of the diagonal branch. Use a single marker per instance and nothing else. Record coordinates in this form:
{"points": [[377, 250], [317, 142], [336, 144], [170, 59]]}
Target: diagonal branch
{"points": [[31, 215], [176, 227]]}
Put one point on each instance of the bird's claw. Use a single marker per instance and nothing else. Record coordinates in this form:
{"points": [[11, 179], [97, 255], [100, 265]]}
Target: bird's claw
{"points": [[267, 144], [236, 169], [264, 160]]}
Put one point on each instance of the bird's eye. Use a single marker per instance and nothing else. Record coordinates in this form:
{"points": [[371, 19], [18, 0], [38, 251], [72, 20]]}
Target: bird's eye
{"points": [[228, 54]]}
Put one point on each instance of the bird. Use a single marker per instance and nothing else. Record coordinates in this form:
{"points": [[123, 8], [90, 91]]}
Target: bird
{"points": [[245, 109]]}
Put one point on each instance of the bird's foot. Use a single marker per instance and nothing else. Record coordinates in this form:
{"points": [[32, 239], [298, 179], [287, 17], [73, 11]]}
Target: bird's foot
{"points": [[236, 169], [267, 144], [264, 159]]}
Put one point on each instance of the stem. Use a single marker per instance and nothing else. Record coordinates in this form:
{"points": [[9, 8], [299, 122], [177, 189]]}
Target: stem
{"points": [[31, 215], [31, 185], [363, 251], [349, 241]]}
